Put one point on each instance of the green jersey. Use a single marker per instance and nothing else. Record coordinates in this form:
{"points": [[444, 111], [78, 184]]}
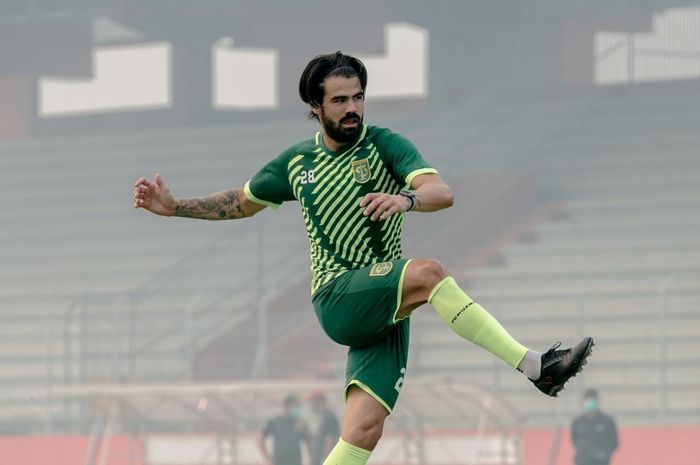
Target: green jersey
{"points": [[329, 187]]}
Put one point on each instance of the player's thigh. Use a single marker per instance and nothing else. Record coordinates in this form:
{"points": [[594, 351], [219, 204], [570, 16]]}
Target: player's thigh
{"points": [[359, 307], [420, 278]]}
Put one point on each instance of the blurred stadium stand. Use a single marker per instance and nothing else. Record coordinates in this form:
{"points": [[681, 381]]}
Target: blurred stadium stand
{"points": [[98, 292], [122, 296], [621, 263]]}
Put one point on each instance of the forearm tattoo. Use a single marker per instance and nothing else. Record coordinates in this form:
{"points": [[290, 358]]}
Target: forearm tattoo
{"points": [[220, 206]]}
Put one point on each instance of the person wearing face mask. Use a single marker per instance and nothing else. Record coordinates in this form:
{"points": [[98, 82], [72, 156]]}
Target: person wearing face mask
{"points": [[288, 431], [593, 433]]}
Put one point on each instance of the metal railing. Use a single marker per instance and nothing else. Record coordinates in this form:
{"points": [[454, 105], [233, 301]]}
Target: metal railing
{"points": [[110, 330], [130, 342]]}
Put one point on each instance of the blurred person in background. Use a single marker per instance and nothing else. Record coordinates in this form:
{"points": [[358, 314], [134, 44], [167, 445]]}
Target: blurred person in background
{"points": [[325, 430], [593, 433], [355, 182], [287, 431]]}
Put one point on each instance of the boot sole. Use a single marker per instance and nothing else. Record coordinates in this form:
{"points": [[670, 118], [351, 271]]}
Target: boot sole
{"points": [[580, 363]]}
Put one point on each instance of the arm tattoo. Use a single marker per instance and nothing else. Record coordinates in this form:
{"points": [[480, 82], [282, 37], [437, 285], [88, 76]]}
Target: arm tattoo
{"points": [[224, 205]]}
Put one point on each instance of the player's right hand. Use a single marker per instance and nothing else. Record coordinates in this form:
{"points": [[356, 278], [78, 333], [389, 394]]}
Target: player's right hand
{"points": [[154, 196]]}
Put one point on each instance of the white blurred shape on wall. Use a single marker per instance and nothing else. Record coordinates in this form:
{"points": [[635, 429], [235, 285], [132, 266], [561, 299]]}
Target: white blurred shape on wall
{"points": [[140, 76], [244, 78], [124, 78], [403, 70], [671, 52]]}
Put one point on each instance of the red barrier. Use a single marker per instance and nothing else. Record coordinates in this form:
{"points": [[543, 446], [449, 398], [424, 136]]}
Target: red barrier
{"points": [[66, 450], [638, 446]]}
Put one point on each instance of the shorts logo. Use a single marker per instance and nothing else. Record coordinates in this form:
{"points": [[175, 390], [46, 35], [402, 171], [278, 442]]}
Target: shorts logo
{"points": [[361, 171], [381, 269], [399, 382]]}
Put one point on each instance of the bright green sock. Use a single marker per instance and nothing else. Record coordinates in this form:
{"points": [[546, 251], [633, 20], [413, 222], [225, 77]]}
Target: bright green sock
{"points": [[472, 322], [345, 453]]}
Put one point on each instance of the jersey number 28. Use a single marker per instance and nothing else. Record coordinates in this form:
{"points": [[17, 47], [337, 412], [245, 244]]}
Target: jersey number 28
{"points": [[308, 177]]}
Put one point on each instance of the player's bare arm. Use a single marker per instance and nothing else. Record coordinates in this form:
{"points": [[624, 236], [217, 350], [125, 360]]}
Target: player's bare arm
{"points": [[155, 197], [431, 194]]}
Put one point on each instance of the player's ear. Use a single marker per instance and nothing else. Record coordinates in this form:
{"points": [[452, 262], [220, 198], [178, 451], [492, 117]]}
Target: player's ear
{"points": [[315, 109]]}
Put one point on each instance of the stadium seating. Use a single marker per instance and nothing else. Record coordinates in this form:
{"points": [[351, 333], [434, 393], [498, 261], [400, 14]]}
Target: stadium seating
{"points": [[95, 291], [621, 265], [91, 285]]}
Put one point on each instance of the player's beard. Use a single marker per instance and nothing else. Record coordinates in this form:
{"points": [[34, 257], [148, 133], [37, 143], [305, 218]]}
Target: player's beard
{"points": [[337, 132]]}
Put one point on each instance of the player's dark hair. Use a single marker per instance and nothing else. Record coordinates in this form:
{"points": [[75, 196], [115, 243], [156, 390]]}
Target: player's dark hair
{"points": [[311, 88]]}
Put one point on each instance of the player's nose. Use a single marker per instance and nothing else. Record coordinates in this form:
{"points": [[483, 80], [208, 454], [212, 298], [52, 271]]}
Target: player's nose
{"points": [[351, 107]]}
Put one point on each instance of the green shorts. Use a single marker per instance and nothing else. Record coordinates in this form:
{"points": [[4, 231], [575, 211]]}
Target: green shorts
{"points": [[358, 309]]}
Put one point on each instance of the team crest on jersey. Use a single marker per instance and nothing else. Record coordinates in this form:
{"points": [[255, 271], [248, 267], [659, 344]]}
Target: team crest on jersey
{"points": [[361, 171], [381, 269]]}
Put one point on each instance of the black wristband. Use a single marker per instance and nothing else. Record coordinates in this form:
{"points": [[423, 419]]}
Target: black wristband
{"points": [[410, 195]]}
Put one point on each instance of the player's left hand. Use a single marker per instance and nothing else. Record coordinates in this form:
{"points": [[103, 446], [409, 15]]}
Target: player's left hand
{"points": [[380, 206]]}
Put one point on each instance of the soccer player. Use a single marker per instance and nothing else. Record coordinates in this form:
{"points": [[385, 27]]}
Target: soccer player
{"points": [[355, 182]]}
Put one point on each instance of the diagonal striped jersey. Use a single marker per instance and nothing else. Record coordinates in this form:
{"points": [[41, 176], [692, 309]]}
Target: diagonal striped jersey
{"points": [[329, 187]]}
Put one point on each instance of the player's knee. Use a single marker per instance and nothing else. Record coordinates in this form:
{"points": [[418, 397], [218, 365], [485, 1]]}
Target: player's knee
{"points": [[431, 272]]}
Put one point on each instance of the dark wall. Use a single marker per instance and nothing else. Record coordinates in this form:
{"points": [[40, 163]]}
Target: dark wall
{"points": [[502, 50]]}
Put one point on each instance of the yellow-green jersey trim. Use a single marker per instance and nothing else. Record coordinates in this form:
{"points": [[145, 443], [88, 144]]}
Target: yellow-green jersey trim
{"points": [[368, 390], [415, 173], [399, 292], [253, 198]]}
